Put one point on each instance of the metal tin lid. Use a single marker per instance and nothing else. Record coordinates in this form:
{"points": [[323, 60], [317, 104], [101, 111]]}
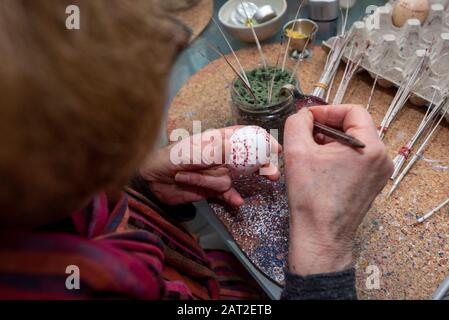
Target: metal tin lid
{"points": [[323, 10]]}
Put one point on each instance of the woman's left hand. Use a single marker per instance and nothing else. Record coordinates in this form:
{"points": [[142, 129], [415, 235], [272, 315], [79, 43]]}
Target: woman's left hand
{"points": [[199, 176]]}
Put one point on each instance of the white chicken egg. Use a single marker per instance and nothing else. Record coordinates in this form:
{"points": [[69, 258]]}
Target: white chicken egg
{"points": [[249, 150]]}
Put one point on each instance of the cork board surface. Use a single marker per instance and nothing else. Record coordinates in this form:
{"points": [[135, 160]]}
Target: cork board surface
{"points": [[197, 17], [412, 259]]}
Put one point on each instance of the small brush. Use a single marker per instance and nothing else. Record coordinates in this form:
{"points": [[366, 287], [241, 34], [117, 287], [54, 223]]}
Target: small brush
{"points": [[233, 52], [289, 39], [259, 47]]}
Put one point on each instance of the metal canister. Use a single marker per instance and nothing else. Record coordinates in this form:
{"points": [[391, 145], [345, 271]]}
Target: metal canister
{"points": [[325, 14]]}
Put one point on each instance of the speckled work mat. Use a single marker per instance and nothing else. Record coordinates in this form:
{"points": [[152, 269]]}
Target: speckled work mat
{"points": [[413, 260], [261, 224]]}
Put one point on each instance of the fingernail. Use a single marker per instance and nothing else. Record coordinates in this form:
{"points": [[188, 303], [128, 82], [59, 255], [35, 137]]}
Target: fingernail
{"points": [[239, 203], [182, 177], [306, 111]]}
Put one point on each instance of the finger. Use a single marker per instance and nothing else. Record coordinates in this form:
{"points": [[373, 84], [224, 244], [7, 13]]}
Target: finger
{"points": [[181, 194], [177, 194], [232, 197], [352, 119], [322, 139], [187, 193], [201, 151], [215, 172], [275, 147], [219, 183], [271, 171], [298, 130]]}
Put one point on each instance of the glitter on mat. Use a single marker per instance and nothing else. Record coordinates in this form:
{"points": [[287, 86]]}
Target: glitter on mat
{"points": [[260, 226]]}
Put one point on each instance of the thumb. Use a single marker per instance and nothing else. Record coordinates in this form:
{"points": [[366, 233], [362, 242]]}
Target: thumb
{"points": [[299, 128]]}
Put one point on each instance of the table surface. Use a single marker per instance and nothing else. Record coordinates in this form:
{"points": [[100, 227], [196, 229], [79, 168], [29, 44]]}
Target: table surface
{"points": [[411, 258], [191, 61]]}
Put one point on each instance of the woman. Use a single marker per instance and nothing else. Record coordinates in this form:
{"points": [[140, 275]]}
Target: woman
{"points": [[79, 117]]}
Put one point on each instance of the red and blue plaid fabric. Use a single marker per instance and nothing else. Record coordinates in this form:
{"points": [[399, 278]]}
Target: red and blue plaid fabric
{"points": [[128, 252]]}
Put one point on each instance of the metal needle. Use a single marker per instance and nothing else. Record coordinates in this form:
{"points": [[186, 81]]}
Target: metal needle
{"points": [[431, 212]]}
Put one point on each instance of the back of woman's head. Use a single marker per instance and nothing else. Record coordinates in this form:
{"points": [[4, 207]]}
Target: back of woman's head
{"points": [[79, 108]]}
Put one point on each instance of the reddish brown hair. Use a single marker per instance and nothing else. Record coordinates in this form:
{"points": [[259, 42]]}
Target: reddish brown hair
{"points": [[79, 108]]}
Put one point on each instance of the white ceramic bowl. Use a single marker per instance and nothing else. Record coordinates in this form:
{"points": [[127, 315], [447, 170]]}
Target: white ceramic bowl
{"points": [[264, 30]]}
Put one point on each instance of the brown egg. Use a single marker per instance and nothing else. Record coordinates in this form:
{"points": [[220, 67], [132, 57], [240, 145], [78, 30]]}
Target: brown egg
{"points": [[409, 9]]}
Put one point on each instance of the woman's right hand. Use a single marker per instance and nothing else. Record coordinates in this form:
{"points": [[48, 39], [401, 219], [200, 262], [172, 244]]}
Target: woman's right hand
{"points": [[330, 185]]}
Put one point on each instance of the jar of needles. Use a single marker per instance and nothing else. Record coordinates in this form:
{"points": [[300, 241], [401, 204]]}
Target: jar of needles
{"points": [[260, 103]]}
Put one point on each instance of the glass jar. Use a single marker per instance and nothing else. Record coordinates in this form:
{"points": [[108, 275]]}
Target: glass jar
{"points": [[272, 116]]}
